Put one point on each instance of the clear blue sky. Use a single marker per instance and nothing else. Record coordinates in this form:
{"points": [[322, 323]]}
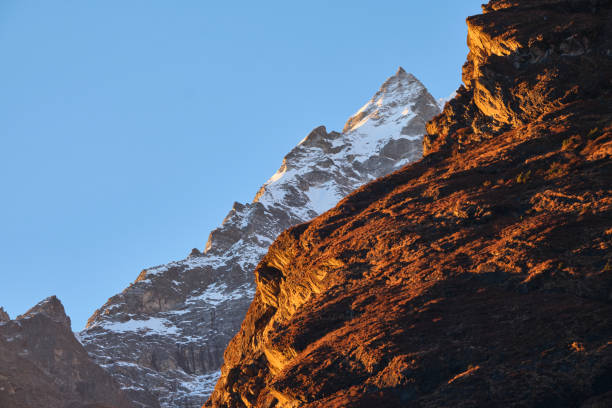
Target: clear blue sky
{"points": [[129, 127]]}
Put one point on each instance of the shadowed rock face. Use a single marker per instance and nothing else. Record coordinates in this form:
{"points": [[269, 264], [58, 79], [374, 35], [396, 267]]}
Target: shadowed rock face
{"points": [[479, 276], [166, 332], [43, 365], [4, 317]]}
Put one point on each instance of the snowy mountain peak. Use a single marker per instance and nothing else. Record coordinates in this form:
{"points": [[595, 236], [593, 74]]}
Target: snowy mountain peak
{"points": [[393, 104], [324, 167], [167, 331]]}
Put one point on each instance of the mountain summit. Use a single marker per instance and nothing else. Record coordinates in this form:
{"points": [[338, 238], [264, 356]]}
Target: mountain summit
{"points": [[388, 108], [43, 365], [167, 331]]}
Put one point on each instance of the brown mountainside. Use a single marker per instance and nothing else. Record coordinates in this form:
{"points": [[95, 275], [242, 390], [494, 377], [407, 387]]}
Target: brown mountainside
{"points": [[43, 365], [480, 276]]}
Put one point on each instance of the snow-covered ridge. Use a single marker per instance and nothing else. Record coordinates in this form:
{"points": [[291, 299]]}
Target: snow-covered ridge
{"points": [[389, 109], [166, 332], [397, 112]]}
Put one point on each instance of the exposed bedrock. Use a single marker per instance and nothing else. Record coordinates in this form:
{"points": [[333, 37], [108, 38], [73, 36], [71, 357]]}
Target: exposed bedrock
{"points": [[43, 365], [165, 334], [479, 276]]}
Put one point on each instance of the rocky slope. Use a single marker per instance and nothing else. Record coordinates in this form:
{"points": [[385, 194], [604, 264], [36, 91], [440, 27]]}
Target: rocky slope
{"points": [[166, 332], [480, 276], [43, 365]]}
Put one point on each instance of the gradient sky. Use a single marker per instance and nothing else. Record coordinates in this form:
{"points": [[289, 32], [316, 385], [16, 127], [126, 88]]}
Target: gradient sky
{"points": [[129, 127]]}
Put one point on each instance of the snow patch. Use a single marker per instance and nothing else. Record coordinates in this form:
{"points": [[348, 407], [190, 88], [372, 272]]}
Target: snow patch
{"points": [[323, 197], [217, 293], [150, 326]]}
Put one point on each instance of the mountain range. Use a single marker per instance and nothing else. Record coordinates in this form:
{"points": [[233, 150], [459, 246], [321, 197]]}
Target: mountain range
{"points": [[165, 334], [419, 258]]}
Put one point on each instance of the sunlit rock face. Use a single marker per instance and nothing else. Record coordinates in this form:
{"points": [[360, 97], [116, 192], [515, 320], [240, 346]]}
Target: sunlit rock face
{"points": [[521, 71], [43, 365], [166, 333], [479, 276]]}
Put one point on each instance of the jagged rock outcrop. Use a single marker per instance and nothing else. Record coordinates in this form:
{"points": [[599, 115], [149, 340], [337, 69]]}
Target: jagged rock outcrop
{"points": [[480, 276], [166, 333], [43, 365], [4, 317], [517, 73]]}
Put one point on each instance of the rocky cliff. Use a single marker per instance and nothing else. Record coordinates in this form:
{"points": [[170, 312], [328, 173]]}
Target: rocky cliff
{"points": [[480, 276], [4, 317], [43, 365], [166, 332]]}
